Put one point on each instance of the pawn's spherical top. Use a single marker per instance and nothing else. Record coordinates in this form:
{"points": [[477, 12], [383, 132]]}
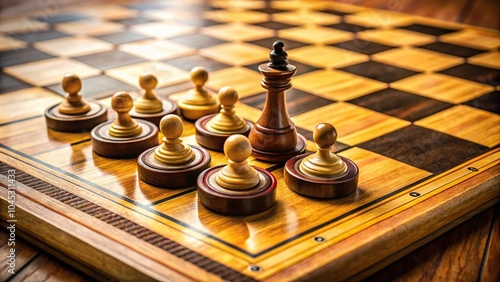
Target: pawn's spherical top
{"points": [[237, 148], [74, 104], [121, 102], [171, 126], [199, 76], [148, 81], [325, 135], [227, 96]]}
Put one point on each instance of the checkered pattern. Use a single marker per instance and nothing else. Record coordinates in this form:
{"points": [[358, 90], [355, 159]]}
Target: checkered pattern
{"points": [[375, 75]]}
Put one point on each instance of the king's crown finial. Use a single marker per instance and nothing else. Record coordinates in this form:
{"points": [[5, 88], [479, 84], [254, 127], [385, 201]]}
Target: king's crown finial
{"points": [[278, 56]]}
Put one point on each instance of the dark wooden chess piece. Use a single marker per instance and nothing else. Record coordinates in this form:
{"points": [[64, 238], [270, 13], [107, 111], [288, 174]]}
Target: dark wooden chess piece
{"points": [[274, 137], [237, 188], [75, 114], [213, 130], [322, 174], [123, 137], [173, 164], [148, 106]]}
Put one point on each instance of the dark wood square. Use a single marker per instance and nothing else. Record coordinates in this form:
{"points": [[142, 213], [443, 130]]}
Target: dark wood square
{"points": [[109, 59], [21, 56], [268, 43], [198, 41], [423, 148], [39, 35], [349, 27], [134, 20], [475, 73], [379, 71], [62, 18], [334, 12], [189, 62], [297, 101], [122, 37], [301, 68], [199, 22], [452, 49], [8, 83], [401, 104], [488, 102], [270, 10], [97, 87], [432, 30], [362, 46], [275, 25]]}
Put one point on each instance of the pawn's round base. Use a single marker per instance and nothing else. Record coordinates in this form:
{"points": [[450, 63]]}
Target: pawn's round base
{"points": [[169, 107], [320, 187], [214, 140], [126, 147], [76, 123], [233, 202], [172, 176], [280, 157], [194, 112]]}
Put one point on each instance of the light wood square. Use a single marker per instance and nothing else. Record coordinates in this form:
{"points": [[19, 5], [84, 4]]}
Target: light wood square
{"points": [[396, 37], [376, 171], [417, 59], [109, 11], [163, 29], [167, 15], [378, 19], [90, 27], [336, 85], [9, 43], [236, 53], [468, 123], [242, 5], [490, 60], [245, 81], [237, 32], [442, 87], [475, 38], [24, 24], [156, 50], [354, 124], [315, 34], [299, 4], [305, 17], [73, 46], [326, 56], [236, 16], [50, 71], [166, 74], [35, 99]]}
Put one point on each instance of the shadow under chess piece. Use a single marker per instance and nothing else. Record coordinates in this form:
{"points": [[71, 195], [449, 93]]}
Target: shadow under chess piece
{"points": [[75, 114], [237, 188], [173, 164], [148, 106], [213, 130], [123, 137], [322, 174], [274, 137], [199, 101]]}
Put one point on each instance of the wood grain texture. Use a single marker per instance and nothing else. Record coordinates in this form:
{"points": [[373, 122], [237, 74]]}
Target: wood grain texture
{"points": [[24, 254]]}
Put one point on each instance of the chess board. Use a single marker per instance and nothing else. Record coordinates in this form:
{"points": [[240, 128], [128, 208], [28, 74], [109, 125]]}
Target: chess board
{"points": [[415, 101]]}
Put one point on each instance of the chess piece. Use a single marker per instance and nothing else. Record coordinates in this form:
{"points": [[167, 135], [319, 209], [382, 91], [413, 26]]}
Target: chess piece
{"points": [[274, 137], [213, 130], [75, 114], [237, 188], [199, 101], [148, 106], [322, 174], [173, 164], [123, 137]]}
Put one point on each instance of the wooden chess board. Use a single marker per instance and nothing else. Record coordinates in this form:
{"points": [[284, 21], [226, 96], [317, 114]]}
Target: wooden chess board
{"points": [[415, 103]]}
